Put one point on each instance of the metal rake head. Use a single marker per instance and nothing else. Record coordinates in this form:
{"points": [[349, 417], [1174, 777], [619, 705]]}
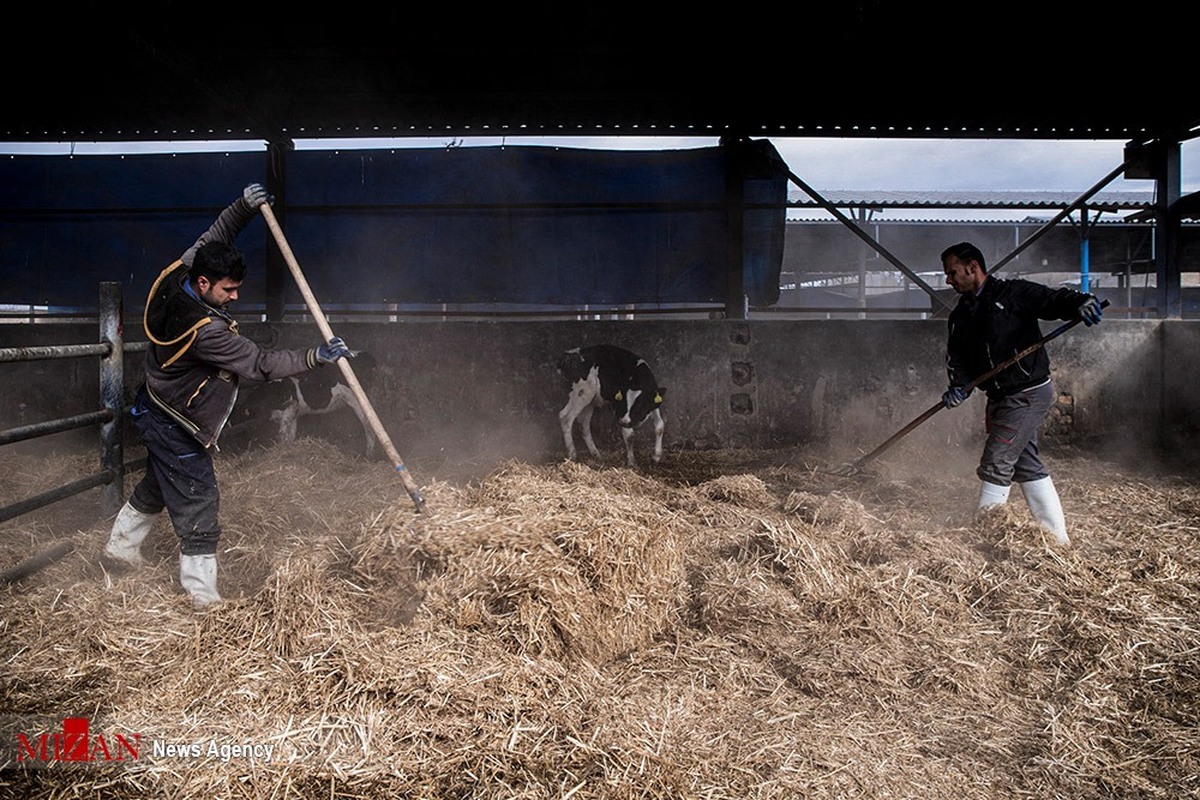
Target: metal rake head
{"points": [[847, 469]]}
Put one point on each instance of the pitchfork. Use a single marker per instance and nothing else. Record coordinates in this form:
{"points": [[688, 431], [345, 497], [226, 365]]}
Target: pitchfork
{"points": [[855, 467], [344, 365]]}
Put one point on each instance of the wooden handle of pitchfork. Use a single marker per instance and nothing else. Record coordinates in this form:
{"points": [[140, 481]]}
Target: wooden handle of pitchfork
{"points": [[314, 309]]}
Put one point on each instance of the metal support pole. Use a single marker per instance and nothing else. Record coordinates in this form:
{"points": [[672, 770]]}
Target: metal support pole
{"points": [[1085, 253], [1167, 229], [862, 218], [276, 272], [112, 397], [736, 303]]}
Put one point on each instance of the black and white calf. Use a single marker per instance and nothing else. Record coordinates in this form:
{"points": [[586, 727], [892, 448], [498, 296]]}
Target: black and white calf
{"points": [[313, 393], [608, 375]]}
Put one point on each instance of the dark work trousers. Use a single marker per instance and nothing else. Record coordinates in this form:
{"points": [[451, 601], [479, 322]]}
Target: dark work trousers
{"points": [[1011, 451], [179, 476]]}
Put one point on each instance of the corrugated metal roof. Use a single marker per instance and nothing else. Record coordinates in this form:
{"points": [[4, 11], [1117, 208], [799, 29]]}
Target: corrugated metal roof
{"points": [[1027, 222], [1101, 201], [179, 70]]}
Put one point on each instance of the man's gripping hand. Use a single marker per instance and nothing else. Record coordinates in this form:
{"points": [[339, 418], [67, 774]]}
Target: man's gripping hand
{"points": [[255, 195], [329, 352], [1091, 310], [954, 396]]}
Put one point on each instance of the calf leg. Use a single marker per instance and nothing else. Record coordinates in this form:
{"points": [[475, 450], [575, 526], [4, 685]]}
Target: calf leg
{"points": [[578, 401], [566, 420], [659, 426], [585, 426], [627, 435], [287, 417], [343, 394]]}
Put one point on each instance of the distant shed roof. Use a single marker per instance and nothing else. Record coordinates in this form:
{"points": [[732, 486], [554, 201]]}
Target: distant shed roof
{"points": [[1055, 201]]}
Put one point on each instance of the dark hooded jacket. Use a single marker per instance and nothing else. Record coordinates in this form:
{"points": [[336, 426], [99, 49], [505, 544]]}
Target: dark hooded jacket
{"points": [[196, 356], [999, 322]]}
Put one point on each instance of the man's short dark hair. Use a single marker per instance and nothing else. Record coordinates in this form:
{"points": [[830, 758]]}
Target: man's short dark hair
{"points": [[217, 260], [966, 253]]}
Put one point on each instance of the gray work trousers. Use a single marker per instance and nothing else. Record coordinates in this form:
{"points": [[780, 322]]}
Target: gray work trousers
{"points": [[179, 476], [1011, 451]]}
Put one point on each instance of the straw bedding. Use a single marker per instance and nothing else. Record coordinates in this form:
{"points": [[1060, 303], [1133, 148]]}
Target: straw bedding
{"points": [[728, 625]]}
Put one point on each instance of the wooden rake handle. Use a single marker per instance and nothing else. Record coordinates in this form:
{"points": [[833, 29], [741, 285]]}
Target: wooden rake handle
{"points": [[314, 309]]}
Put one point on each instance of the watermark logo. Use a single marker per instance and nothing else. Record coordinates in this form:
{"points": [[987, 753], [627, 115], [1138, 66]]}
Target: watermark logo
{"points": [[212, 750], [77, 743], [39, 742]]}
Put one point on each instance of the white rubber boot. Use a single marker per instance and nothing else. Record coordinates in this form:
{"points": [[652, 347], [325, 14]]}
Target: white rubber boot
{"points": [[1044, 504], [198, 576], [991, 494], [128, 530]]}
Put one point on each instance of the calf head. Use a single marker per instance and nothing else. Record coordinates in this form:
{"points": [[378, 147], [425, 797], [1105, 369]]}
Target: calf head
{"points": [[636, 403], [573, 365]]}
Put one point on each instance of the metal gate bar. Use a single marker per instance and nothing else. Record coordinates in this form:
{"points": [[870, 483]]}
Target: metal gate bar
{"points": [[53, 426], [36, 562], [111, 350]]}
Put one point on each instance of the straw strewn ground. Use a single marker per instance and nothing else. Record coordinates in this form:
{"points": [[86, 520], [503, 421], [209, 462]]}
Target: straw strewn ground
{"points": [[727, 625]]}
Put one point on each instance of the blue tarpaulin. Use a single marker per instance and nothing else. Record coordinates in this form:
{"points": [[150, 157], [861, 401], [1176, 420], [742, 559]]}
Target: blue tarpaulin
{"points": [[470, 225]]}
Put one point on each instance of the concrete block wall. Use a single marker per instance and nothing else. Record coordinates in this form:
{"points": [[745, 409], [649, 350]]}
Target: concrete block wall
{"points": [[478, 393]]}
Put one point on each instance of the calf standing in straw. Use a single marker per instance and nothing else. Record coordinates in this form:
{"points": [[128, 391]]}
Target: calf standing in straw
{"points": [[193, 365], [608, 375]]}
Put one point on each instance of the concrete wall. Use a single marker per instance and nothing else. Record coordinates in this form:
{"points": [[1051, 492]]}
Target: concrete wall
{"points": [[1180, 414], [477, 393]]}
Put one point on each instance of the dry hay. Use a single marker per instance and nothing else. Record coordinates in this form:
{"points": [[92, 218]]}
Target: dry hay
{"points": [[557, 631]]}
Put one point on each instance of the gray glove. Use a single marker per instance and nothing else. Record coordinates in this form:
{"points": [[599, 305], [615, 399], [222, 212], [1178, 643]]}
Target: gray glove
{"points": [[255, 195], [1091, 310], [954, 396], [331, 351]]}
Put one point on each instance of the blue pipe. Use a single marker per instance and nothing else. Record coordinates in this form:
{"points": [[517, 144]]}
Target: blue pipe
{"points": [[1085, 259]]}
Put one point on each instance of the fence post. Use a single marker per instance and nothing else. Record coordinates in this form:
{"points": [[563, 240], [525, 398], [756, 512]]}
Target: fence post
{"points": [[112, 397]]}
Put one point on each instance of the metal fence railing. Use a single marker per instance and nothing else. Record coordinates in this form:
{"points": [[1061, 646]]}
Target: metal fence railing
{"points": [[110, 350]]}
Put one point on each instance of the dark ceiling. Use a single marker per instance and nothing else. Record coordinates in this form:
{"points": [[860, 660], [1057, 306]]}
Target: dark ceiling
{"points": [[176, 70]]}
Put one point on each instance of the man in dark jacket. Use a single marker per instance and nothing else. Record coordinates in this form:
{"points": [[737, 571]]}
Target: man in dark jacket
{"points": [[193, 364], [994, 320]]}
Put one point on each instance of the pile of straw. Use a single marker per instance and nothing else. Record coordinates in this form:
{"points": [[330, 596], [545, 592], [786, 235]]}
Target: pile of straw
{"points": [[723, 626]]}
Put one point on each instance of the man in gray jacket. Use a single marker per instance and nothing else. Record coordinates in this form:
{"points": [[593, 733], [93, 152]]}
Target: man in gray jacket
{"points": [[194, 361]]}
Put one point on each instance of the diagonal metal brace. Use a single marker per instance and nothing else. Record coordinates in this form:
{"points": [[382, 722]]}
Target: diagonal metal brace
{"points": [[866, 237]]}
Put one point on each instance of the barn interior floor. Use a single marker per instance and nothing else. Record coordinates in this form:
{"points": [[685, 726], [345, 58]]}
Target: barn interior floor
{"points": [[724, 624]]}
